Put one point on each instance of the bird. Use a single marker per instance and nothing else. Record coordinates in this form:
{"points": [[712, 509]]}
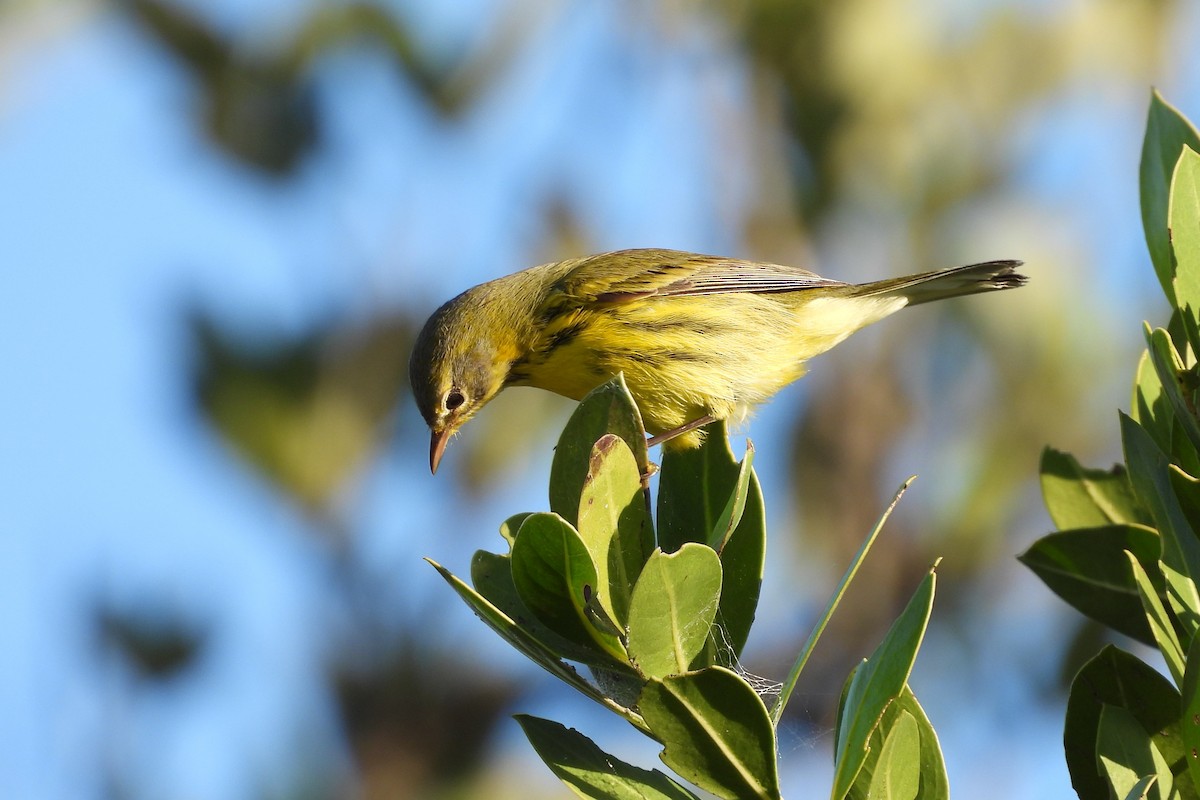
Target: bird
{"points": [[698, 338]]}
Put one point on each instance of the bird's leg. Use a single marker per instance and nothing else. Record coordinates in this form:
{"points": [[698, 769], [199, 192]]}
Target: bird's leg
{"points": [[651, 467], [687, 427]]}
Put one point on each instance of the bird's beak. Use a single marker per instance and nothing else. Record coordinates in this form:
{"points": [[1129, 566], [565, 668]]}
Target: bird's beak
{"points": [[437, 446]]}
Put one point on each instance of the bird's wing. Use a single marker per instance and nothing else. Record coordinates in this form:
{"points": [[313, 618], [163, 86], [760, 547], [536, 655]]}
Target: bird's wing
{"points": [[636, 274]]}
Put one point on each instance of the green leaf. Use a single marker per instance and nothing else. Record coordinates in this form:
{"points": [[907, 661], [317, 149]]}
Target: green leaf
{"points": [[1151, 409], [1183, 215], [693, 491], [876, 683], [1149, 471], [491, 575], [931, 769], [1125, 753], [715, 732], [1169, 367], [1189, 725], [897, 776], [674, 605], [609, 408], [1160, 623], [789, 684], [590, 772], [1117, 678], [614, 523], [510, 526], [530, 646], [1167, 132], [555, 579], [1185, 334], [1141, 789], [732, 515], [1087, 568], [1077, 497], [1187, 492]]}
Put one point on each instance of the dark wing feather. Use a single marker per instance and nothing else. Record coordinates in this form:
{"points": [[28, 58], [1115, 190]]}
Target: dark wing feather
{"points": [[633, 274]]}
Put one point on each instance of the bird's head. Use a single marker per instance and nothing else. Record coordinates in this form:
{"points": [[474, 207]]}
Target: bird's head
{"points": [[460, 362]]}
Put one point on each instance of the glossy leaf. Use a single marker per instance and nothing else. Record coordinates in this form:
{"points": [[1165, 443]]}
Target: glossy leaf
{"points": [[876, 684], [555, 579], [590, 772], [491, 575], [1189, 720], [1148, 470], [614, 523], [1115, 677], [1141, 789], [510, 526], [715, 732], [1169, 367], [1184, 330], [608, 408], [673, 608], [529, 645], [897, 774], [728, 521], [1183, 215], [1087, 568], [1160, 624], [1126, 754], [694, 490], [1078, 497], [931, 769], [1187, 492], [1151, 408], [1167, 132]]}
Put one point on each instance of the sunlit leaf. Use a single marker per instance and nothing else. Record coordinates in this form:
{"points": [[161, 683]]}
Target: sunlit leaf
{"points": [[1126, 754], [674, 605], [1167, 132], [491, 576], [614, 523], [1086, 568], [1078, 497], [715, 732], [1115, 677], [556, 578], [1160, 624], [877, 683], [1183, 215], [694, 492], [897, 775], [528, 645], [589, 771], [1150, 474], [608, 408], [929, 766]]}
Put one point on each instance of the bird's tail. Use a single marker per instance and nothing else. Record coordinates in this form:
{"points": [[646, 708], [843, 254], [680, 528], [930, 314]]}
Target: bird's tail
{"points": [[928, 286]]}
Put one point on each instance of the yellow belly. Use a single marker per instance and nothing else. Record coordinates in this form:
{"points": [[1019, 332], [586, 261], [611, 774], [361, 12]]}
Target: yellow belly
{"points": [[685, 357]]}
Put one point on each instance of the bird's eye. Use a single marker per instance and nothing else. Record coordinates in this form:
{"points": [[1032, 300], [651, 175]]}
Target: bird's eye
{"points": [[454, 399]]}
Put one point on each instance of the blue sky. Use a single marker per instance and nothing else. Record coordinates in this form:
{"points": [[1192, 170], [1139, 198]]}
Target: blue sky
{"points": [[117, 216]]}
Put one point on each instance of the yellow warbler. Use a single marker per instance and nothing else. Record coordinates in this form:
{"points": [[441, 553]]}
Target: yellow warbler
{"points": [[699, 338]]}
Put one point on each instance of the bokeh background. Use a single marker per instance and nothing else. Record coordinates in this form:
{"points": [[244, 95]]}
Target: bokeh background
{"points": [[222, 222]]}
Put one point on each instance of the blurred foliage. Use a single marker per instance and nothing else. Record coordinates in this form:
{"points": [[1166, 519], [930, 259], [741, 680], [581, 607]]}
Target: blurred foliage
{"points": [[260, 105], [308, 413], [157, 644], [420, 722]]}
